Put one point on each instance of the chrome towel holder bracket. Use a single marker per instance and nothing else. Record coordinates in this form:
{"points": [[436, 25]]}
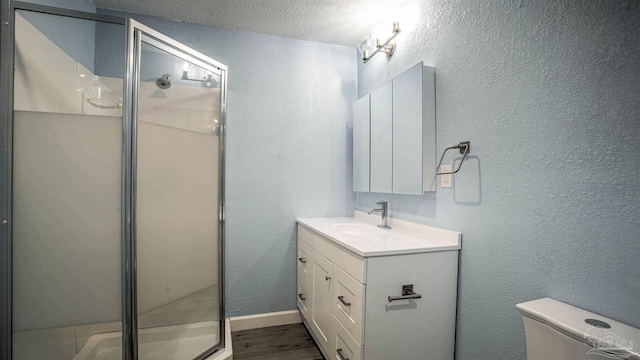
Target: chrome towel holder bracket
{"points": [[464, 147]]}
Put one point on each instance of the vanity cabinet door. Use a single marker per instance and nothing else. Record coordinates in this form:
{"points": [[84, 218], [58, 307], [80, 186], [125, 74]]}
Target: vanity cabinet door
{"points": [[321, 287], [414, 326], [381, 139], [361, 142]]}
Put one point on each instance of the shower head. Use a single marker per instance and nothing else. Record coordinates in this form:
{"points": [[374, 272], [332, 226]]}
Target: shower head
{"points": [[164, 82]]}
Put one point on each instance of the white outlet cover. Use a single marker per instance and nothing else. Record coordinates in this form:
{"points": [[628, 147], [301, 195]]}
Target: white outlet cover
{"points": [[445, 180]]}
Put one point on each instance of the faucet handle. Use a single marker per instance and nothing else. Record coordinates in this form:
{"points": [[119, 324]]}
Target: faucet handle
{"points": [[383, 205]]}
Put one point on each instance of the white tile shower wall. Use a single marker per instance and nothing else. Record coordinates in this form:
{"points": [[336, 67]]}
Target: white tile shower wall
{"points": [[177, 207], [38, 137], [50, 344], [66, 229]]}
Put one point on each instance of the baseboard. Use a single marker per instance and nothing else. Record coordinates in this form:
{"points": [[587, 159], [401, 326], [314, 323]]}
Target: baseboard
{"points": [[256, 321]]}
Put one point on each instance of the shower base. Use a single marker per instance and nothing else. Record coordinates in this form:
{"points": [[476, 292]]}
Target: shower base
{"points": [[167, 342]]}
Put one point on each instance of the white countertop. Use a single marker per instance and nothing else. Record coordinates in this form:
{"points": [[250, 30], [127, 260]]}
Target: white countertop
{"points": [[404, 238]]}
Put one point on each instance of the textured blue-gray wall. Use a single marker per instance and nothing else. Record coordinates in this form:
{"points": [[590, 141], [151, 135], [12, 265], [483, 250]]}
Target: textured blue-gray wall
{"points": [[74, 36], [549, 200], [288, 151], [547, 92]]}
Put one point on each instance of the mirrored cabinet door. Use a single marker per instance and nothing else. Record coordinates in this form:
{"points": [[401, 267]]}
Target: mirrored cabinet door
{"points": [[381, 139], [414, 131], [361, 142]]}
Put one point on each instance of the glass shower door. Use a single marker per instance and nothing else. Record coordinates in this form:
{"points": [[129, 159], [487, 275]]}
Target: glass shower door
{"points": [[176, 184]]}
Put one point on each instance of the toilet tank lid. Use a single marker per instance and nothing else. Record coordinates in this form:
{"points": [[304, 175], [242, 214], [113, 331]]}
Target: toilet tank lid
{"points": [[570, 321]]}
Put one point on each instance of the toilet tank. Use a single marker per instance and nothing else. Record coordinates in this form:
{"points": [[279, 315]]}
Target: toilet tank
{"points": [[555, 330]]}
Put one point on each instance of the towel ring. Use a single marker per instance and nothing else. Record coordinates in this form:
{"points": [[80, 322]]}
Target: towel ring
{"points": [[464, 150]]}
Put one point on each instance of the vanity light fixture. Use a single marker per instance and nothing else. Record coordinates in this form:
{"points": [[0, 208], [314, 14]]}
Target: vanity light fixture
{"points": [[387, 46]]}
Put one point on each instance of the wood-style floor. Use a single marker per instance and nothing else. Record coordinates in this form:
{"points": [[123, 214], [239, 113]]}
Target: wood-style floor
{"points": [[286, 342]]}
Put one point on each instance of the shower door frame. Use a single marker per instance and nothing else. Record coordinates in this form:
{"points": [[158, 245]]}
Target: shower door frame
{"points": [[136, 34], [6, 122], [128, 295]]}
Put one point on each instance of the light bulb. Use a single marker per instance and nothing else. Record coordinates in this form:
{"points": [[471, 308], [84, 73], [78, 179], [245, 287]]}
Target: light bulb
{"points": [[366, 45]]}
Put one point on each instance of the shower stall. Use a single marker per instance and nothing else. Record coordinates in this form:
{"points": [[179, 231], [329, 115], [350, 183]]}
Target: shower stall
{"points": [[115, 189]]}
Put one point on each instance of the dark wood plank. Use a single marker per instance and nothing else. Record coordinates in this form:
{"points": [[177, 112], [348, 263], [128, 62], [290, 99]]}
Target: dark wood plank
{"points": [[286, 342], [298, 354]]}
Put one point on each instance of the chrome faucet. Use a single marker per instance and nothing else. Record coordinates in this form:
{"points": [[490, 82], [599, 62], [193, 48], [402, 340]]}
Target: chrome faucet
{"points": [[383, 212]]}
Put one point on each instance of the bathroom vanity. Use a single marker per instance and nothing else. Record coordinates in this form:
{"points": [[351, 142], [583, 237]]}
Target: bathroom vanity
{"points": [[369, 293]]}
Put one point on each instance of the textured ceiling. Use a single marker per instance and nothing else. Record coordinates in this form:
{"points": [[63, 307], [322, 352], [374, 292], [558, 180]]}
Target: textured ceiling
{"points": [[340, 22]]}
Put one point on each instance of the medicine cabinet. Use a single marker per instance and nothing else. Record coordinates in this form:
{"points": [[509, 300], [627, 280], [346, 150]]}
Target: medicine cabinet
{"points": [[394, 142]]}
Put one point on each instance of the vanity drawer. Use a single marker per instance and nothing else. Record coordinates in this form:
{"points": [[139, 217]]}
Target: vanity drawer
{"points": [[304, 261], [348, 303], [346, 348], [351, 263], [304, 298]]}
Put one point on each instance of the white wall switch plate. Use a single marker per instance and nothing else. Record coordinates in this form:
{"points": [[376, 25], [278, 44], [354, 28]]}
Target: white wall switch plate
{"points": [[445, 180]]}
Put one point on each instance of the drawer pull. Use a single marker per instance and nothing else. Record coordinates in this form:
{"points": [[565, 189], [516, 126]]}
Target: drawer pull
{"points": [[407, 293], [327, 277], [302, 260], [301, 296], [339, 351], [341, 298]]}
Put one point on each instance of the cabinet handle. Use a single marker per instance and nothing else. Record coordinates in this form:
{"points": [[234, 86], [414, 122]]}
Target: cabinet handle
{"points": [[301, 296], [339, 351], [302, 260], [341, 298], [327, 277]]}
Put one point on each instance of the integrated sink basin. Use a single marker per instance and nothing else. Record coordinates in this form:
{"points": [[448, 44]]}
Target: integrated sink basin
{"points": [[357, 229], [360, 235]]}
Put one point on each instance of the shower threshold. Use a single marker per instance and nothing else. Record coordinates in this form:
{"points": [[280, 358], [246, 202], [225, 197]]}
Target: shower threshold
{"points": [[166, 342]]}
